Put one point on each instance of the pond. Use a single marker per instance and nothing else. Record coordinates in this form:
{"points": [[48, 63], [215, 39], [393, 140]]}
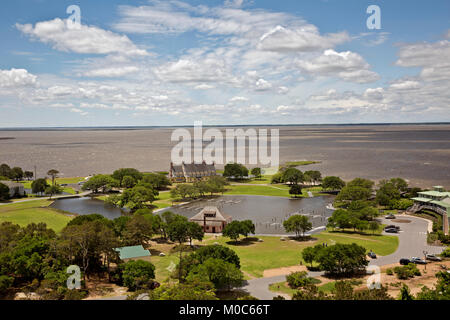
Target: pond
{"points": [[84, 206], [268, 213]]}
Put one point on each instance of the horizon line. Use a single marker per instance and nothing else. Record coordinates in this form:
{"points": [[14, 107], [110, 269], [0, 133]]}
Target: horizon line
{"points": [[222, 125]]}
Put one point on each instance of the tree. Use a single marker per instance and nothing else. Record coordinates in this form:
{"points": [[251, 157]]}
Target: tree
{"points": [[333, 183], [101, 182], [216, 184], [138, 274], [131, 172], [194, 232], [54, 174], [386, 193], [247, 227], [135, 198], [295, 190], [29, 175], [5, 171], [183, 190], [193, 290], [4, 192], [341, 259], [373, 226], [400, 184], [158, 181], [16, 173], [85, 244], [53, 190], [39, 186], [363, 183], [178, 229], [232, 230], [216, 251], [256, 172], [441, 291], [128, 182], [405, 293], [235, 171], [292, 176], [352, 193], [310, 254], [298, 224], [137, 231], [222, 274], [313, 176]]}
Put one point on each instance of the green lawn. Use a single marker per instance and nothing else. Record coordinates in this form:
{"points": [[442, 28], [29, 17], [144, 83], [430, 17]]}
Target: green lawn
{"points": [[278, 190], [33, 211], [27, 184], [273, 253], [282, 287], [258, 190], [300, 163]]}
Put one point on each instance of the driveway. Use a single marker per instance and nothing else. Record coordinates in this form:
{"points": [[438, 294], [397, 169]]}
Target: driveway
{"points": [[412, 240]]}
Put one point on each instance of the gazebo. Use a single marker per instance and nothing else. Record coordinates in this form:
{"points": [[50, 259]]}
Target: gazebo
{"points": [[212, 220]]}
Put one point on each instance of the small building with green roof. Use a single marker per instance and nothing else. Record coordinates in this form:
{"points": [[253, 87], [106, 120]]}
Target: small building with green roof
{"points": [[437, 200], [133, 253]]}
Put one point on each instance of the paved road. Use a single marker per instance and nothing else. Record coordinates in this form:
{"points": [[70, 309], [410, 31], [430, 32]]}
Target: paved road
{"points": [[412, 240]]}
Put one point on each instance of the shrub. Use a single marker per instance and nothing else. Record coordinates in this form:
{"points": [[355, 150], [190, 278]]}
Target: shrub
{"points": [[300, 279], [446, 253], [407, 272], [389, 272], [138, 274]]}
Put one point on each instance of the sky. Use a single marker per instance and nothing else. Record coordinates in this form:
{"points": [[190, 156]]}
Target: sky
{"points": [[222, 62]]}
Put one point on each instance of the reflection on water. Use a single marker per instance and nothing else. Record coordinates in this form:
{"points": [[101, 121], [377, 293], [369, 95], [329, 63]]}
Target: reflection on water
{"points": [[268, 213], [84, 206]]}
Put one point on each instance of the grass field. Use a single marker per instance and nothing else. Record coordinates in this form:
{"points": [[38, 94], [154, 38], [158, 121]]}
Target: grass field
{"points": [[33, 211], [273, 253], [271, 191]]}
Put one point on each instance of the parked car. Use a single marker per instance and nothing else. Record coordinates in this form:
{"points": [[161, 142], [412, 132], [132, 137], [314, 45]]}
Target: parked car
{"points": [[405, 262], [418, 261], [390, 216], [391, 230], [392, 227], [372, 255], [433, 257]]}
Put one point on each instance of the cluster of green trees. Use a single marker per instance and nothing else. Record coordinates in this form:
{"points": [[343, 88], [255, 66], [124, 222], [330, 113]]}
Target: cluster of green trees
{"points": [[333, 183], [140, 189], [358, 216], [343, 290], [339, 259], [298, 224], [36, 256], [201, 274], [235, 171], [15, 173], [390, 193], [235, 229], [213, 185]]}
